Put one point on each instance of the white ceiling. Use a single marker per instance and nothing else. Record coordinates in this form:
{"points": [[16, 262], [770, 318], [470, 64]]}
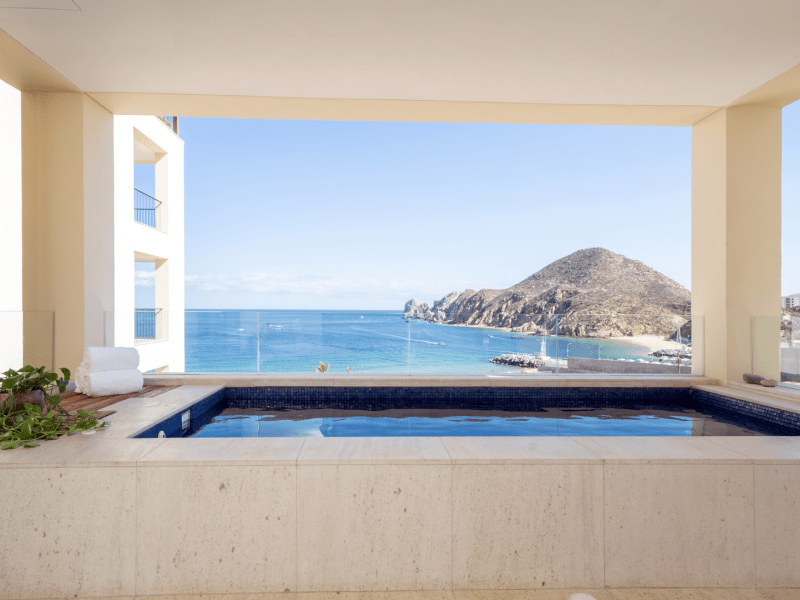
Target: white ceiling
{"points": [[635, 52]]}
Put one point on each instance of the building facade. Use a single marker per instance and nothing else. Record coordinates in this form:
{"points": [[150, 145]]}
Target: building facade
{"points": [[790, 302], [78, 227]]}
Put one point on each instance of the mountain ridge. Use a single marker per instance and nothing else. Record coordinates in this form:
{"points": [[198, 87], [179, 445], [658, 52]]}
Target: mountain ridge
{"points": [[590, 293]]}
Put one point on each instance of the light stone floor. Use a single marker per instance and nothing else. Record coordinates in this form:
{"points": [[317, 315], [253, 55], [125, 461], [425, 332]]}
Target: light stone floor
{"points": [[606, 594]]}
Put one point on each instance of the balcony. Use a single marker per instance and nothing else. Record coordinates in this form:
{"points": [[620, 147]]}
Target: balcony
{"points": [[147, 210], [171, 122]]}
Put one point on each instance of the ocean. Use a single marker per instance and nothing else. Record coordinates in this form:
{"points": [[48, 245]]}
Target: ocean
{"points": [[296, 341]]}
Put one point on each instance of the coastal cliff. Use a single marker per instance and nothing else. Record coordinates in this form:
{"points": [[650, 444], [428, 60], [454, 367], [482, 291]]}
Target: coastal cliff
{"points": [[590, 293]]}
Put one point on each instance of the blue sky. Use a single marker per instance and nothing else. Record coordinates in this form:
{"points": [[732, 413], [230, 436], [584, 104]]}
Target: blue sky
{"points": [[362, 215]]}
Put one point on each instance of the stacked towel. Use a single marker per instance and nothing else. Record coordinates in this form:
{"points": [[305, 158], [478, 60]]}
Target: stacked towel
{"points": [[100, 360], [108, 372]]}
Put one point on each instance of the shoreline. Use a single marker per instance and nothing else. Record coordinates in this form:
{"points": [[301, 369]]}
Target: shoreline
{"points": [[649, 342]]}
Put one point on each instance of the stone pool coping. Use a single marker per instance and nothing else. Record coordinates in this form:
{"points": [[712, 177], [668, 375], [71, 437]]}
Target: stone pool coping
{"points": [[424, 380], [94, 451]]}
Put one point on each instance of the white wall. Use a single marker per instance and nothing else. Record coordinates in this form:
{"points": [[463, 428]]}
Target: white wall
{"points": [[11, 217], [100, 213], [131, 237]]}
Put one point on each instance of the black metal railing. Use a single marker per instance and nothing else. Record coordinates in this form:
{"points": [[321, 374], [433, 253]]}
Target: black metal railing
{"points": [[146, 209], [150, 325]]}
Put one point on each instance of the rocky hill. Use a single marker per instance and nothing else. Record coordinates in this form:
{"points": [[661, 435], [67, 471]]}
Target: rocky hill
{"points": [[590, 293]]}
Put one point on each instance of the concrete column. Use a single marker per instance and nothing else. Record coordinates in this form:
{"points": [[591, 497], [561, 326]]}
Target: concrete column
{"points": [[736, 240], [67, 193]]}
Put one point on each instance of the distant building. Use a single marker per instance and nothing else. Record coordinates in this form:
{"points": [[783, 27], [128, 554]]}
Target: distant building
{"points": [[790, 302]]}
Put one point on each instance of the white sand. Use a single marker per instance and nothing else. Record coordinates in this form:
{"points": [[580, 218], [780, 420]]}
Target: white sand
{"points": [[653, 342]]}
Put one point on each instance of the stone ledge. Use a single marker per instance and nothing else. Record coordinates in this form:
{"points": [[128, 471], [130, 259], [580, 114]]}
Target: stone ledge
{"points": [[401, 380], [94, 451]]}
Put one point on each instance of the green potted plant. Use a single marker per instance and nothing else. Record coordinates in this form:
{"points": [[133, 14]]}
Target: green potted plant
{"points": [[30, 411], [29, 385]]}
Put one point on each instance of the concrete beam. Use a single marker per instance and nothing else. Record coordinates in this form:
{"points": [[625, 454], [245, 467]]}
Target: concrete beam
{"points": [[343, 109], [25, 71]]}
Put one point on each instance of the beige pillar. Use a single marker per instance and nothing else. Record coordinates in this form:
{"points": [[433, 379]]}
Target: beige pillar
{"points": [[67, 185], [736, 240]]}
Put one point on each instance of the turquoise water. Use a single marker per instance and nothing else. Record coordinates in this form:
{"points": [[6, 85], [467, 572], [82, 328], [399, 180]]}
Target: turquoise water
{"points": [[372, 341], [523, 425]]}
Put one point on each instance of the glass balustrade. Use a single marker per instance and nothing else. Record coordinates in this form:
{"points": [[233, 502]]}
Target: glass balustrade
{"points": [[220, 341], [26, 338]]}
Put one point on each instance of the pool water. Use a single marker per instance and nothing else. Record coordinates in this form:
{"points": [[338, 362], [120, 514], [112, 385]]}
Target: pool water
{"points": [[631, 421]]}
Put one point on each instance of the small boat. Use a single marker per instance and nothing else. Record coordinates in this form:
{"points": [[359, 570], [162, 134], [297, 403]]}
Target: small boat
{"points": [[241, 330], [441, 343]]}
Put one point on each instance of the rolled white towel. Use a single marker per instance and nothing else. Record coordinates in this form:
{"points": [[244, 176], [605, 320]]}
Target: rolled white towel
{"points": [[98, 359], [80, 379], [110, 383]]}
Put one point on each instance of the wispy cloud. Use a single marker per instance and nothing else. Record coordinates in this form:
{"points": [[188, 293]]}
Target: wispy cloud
{"points": [[145, 278], [331, 286]]}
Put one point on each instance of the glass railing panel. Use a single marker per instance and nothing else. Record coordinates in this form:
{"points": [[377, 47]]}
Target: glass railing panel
{"points": [[790, 351], [776, 350], [766, 342], [625, 344], [383, 342], [222, 341], [27, 339]]}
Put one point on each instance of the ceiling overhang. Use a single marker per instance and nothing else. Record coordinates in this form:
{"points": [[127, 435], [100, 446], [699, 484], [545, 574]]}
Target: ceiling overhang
{"points": [[621, 62]]}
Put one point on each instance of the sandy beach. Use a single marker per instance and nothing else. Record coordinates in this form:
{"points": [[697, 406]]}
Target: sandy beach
{"points": [[652, 342]]}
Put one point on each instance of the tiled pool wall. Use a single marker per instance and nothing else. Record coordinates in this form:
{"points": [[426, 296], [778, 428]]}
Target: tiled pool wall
{"points": [[173, 426], [784, 422], [769, 420]]}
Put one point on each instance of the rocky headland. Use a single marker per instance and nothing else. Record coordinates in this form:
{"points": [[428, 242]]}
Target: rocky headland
{"points": [[592, 293]]}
